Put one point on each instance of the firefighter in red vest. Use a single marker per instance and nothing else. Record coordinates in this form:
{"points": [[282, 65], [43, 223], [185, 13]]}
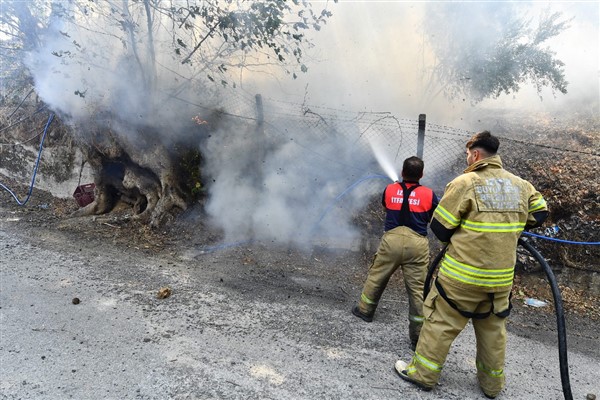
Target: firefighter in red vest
{"points": [[481, 216], [409, 208]]}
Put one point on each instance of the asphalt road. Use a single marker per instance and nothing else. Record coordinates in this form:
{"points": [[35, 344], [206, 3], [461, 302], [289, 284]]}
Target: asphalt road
{"points": [[236, 326]]}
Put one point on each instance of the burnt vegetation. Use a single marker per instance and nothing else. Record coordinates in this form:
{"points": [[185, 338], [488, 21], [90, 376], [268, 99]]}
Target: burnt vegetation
{"points": [[549, 152]]}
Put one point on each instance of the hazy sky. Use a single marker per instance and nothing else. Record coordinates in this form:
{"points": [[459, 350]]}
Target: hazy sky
{"points": [[371, 56]]}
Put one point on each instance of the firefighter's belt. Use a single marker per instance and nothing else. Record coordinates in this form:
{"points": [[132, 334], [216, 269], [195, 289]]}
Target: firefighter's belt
{"points": [[468, 314]]}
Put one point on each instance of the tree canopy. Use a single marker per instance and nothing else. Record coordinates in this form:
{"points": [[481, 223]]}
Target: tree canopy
{"points": [[485, 50], [154, 39]]}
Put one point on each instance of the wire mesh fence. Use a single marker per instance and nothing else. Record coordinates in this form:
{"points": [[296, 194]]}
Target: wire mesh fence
{"points": [[563, 164], [443, 149], [347, 156]]}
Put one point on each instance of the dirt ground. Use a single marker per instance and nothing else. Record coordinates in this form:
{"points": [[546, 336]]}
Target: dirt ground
{"points": [[189, 235], [340, 272], [190, 238]]}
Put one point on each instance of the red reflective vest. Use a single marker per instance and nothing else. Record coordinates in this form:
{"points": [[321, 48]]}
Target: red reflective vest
{"points": [[422, 201]]}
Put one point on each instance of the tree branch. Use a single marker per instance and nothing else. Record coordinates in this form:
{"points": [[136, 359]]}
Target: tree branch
{"points": [[150, 43], [128, 26], [210, 32]]}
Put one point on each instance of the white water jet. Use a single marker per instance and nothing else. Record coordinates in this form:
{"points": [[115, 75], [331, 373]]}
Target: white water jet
{"points": [[384, 159]]}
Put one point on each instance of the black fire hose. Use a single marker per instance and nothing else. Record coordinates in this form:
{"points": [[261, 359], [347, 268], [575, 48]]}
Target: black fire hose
{"points": [[431, 270], [560, 319], [558, 306]]}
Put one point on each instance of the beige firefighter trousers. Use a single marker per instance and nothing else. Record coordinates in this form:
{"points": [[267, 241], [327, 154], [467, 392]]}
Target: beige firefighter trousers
{"points": [[443, 323], [399, 247]]}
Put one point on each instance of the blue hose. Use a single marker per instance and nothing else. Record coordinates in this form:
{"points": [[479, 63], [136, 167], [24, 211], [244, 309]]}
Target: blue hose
{"points": [[559, 240], [344, 193], [37, 163]]}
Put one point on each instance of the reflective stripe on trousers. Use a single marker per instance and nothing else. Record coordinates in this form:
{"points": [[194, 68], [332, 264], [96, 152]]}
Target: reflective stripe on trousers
{"points": [[442, 325], [400, 247]]}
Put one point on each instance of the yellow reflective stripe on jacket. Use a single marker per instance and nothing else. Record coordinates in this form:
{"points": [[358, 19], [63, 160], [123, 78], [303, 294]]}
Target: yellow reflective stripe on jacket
{"points": [[366, 299], [426, 363], [476, 276], [416, 318], [494, 373], [447, 216], [493, 226], [537, 205]]}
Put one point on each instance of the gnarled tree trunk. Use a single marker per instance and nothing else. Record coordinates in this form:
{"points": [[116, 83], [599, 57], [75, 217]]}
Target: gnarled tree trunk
{"points": [[143, 171]]}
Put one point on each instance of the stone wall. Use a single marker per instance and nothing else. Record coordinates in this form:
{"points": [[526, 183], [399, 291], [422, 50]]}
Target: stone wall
{"points": [[60, 169]]}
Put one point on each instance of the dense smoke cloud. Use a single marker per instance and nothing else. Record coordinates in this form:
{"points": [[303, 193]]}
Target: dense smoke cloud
{"points": [[283, 185], [86, 71], [278, 183]]}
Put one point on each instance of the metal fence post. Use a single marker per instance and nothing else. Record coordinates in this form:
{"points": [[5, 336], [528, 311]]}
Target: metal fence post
{"points": [[421, 136], [260, 114]]}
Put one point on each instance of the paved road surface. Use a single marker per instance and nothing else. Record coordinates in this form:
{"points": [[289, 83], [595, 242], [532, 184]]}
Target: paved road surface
{"points": [[228, 331]]}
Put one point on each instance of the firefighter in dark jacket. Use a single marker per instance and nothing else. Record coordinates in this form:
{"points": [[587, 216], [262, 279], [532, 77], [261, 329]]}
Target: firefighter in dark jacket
{"points": [[409, 208], [481, 216]]}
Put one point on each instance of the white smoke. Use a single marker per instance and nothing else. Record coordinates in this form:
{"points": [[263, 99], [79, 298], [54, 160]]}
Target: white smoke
{"points": [[86, 70], [285, 185]]}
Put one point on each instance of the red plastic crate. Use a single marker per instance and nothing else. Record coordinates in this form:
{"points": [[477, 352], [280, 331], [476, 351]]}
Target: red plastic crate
{"points": [[84, 194]]}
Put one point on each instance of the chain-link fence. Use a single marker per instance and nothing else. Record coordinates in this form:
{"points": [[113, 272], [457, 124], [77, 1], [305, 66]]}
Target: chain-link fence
{"points": [[348, 156], [562, 163]]}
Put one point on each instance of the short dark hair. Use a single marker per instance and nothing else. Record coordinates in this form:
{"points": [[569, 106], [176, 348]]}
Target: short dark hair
{"points": [[412, 169], [485, 141]]}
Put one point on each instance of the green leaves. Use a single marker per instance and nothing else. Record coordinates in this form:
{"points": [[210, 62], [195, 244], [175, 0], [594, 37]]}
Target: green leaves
{"points": [[217, 39], [230, 34], [485, 51]]}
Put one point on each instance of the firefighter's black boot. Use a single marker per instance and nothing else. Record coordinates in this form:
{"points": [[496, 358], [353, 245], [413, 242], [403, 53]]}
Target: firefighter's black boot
{"points": [[364, 317]]}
